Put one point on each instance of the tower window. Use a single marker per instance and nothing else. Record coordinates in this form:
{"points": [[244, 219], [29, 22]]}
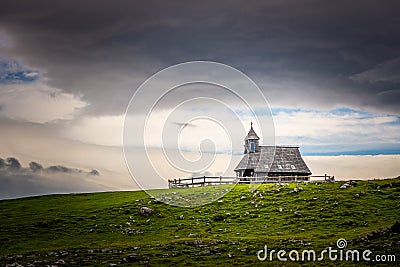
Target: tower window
{"points": [[252, 147]]}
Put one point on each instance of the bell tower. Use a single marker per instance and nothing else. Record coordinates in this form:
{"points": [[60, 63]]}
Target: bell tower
{"points": [[251, 142]]}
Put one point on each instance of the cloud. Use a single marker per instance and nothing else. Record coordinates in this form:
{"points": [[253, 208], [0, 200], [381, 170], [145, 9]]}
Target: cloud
{"points": [[337, 130], [387, 71], [38, 102], [25, 184], [66, 76], [101, 130], [35, 167], [62, 169], [18, 181], [300, 54], [13, 164]]}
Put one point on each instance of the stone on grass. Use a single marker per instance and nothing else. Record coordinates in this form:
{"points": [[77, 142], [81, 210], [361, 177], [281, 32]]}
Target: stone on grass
{"points": [[157, 201], [145, 211], [60, 262]]}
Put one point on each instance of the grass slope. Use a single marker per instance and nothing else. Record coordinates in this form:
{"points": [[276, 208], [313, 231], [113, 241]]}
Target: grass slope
{"points": [[103, 229]]}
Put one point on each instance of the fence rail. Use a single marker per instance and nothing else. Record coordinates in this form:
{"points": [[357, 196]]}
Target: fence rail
{"points": [[214, 180]]}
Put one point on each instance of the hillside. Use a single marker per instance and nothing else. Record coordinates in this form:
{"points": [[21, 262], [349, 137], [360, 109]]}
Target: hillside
{"points": [[107, 229]]}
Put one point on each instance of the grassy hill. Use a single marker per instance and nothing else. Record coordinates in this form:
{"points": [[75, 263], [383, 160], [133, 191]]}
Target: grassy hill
{"points": [[106, 229]]}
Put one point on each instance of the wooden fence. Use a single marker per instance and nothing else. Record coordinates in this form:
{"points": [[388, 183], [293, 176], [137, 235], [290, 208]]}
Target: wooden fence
{"points": [[215, 180]]}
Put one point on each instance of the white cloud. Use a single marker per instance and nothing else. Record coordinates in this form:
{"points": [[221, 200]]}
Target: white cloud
{"points": [[38, 102], [318, 130], [324, 127], [104, 130]]}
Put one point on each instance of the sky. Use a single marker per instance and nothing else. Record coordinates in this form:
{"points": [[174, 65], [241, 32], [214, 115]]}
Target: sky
{"points": [[329, 72]]}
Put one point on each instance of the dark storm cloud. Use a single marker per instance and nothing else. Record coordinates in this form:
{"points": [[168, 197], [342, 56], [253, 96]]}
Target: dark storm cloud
{"points": [[2, 163], [35, 167], [17, 181], [12, 166], [302, 53], [14, 185]]}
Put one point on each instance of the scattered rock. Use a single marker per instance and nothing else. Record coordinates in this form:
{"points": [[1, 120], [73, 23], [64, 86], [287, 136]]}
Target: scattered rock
{"points": [[280, 209], [60, 262], [197, 242], [297, 213], [15, 264], [145, 211], [352, 183], [192, 235], [133, 257], [296, 190], [181, 217], [157, 201], [230, 255], [357, 195], [242, 197]]}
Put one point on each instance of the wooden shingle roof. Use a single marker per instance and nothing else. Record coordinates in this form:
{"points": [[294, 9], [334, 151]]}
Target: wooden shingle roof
{"points": [[275, 159]]}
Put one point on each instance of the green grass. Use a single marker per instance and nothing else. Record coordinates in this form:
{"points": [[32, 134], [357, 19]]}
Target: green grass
{"points": [[101, 228]]}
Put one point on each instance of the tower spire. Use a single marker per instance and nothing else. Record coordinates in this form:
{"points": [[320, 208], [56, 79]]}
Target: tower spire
{"points": [[252, 134]]}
